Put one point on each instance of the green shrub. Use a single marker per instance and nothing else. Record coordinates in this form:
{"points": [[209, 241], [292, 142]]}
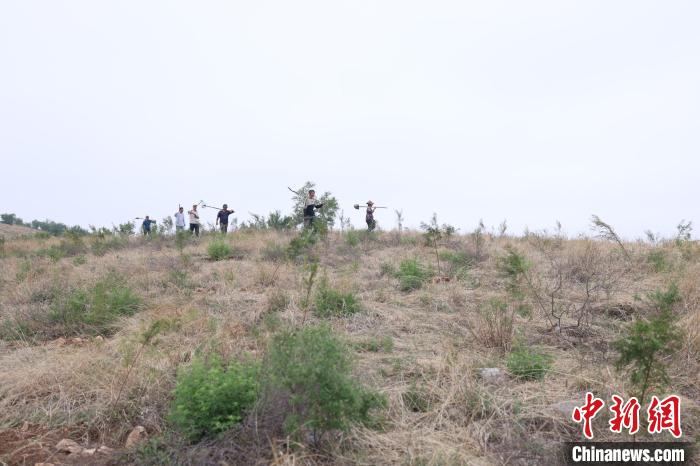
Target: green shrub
{"points": [[412, 274], [528, 363], [301, 243], [219, 249], [513, 267], [352, 238], [647, 345], [312, 368], [459, 263], [94, 310], [79, 260], [658, 262], [210, 398], [330, 302]]}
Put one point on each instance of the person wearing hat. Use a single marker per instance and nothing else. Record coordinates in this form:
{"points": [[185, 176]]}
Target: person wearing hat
{"points": [[309, 212], [222, 218], [369, 217]]}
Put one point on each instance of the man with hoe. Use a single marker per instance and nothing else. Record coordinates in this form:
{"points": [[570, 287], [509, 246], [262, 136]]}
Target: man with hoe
{"points": [[222, 218]]}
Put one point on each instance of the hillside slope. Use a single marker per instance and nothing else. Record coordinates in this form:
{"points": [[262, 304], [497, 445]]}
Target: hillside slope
{"points": [[540, 313]]}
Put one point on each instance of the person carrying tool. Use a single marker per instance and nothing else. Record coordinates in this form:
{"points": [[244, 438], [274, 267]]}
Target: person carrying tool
{"points": [[369, 216], [194, 220], [222, 218], [146, 226], [180, 219], [309, 212]]}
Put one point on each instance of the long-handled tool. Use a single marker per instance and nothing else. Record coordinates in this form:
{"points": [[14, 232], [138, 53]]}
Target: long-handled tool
{"points": [[357, 206], [209, 206]]}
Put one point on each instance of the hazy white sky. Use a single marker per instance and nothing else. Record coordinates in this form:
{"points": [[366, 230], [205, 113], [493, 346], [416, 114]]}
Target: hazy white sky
{"points": [[526, 111]]}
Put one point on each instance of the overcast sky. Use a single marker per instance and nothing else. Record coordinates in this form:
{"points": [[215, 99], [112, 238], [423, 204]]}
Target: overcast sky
{"points": [[527, 111]]}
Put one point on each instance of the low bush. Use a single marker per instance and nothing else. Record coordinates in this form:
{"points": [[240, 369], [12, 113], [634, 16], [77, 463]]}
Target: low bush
{"points": [[333, 303], [312, 369], [219, 249], [412, 274], [528, 363], [211, 397], [458, 263]]}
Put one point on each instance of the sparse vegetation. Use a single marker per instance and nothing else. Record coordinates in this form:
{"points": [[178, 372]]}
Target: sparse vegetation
{"points": [[119, 328]]}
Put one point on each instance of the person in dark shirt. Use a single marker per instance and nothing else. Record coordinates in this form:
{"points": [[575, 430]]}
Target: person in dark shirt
{"points": [[146, 225], [309, 212], [222, 218], [369, 217]]}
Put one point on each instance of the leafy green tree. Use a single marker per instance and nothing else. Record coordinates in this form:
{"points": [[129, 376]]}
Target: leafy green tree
{"points": [[10, 219]]}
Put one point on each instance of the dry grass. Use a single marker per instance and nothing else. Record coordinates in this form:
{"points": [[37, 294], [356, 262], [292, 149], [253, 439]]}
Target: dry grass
{"points": [[226, 307]]}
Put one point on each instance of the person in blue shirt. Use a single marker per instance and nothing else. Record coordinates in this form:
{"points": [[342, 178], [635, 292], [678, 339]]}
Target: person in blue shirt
{"points": [[146, 226]]}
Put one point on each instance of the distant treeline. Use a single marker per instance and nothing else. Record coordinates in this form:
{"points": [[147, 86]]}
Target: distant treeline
{"points": [[48, 226]]}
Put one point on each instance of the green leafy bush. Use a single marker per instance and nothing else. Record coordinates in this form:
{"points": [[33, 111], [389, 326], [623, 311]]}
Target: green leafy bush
{"points": [[313, 370], [647, 345], [330, 302], [94, 310], [210, 398], [219, 249], [528, 363], [412, 274]]}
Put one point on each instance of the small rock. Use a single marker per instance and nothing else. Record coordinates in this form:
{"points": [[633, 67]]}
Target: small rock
{"points": [[105, 450], [69, 446], [137, 435], [492, 374], [88, 451], [99, 339], [566, 407], [43, 464], [25, 427]]}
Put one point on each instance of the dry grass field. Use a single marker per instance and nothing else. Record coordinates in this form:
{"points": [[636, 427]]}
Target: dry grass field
{"points": [[420, 341]]}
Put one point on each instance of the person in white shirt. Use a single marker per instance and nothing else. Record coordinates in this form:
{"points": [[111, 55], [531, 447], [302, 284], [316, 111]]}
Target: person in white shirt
{"points": [[194, 220], [180, 219]]}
